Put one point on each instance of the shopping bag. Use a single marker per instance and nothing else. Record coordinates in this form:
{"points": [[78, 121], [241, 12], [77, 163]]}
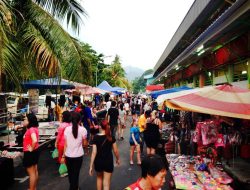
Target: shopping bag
{"points": [[63, 169], [55, 153]]}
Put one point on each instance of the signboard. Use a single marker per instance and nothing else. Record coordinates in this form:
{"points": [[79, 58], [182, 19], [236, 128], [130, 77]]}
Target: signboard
{"points": [[33, 100]]}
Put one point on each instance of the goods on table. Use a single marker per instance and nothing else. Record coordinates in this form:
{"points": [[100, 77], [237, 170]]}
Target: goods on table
{"points": [[12, 155], [186, 175]]}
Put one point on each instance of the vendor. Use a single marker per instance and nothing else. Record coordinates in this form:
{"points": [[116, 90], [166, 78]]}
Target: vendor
{"points": [[30, 149]]}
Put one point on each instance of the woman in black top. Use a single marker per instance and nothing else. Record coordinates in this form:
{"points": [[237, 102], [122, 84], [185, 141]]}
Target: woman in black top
{"points": [[102, 157], [152, 133]]}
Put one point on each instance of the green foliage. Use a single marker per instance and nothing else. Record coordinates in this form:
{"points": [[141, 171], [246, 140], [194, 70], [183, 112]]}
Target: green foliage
{"points": [[114, 74], [139, 84], [33, 44]]}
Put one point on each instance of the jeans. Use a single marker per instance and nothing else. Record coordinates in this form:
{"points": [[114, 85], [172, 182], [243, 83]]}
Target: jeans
{"points": [[74, 166]]}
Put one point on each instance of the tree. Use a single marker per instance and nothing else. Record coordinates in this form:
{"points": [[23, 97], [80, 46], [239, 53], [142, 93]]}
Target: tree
{"points": [[33, 43], [139, 84], [115, 74]]}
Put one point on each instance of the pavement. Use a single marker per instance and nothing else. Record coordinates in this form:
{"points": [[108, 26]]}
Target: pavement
{"points": [[49, 178]]}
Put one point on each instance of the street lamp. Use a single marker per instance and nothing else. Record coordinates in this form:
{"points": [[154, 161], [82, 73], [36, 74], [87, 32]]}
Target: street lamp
{"points": [[97, 68]]}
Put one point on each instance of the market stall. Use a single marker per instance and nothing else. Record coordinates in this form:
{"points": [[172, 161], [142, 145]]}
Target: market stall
{"points": [[197, 173]]}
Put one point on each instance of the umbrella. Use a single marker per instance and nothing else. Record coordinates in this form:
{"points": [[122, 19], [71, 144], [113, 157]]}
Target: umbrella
{"points": [[155, 94], [50, 83], [225, 100]]}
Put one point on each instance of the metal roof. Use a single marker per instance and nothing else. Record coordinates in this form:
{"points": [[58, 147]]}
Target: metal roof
{"points": [[199, 17]]}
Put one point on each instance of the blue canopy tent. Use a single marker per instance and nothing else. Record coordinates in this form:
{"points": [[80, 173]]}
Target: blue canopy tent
{"points": [[106, 86], [155, 94], [50, 83]]}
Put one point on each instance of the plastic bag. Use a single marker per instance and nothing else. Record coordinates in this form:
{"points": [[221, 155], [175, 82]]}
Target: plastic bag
{"points": [[55, 153], [63, 169]]}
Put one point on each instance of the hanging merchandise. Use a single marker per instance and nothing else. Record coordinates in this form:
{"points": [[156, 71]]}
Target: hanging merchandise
{"points": [[220, 141], [208, 132]]}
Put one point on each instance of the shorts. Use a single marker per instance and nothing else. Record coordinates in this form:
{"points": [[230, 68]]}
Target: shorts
{"points": [[30, 158]]}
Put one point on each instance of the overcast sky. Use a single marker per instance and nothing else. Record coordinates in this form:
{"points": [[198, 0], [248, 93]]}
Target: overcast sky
{"points": [[136, 30]]}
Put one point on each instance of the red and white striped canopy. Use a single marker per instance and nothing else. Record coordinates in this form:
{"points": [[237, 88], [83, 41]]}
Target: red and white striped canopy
{"points": [[224, 100]]}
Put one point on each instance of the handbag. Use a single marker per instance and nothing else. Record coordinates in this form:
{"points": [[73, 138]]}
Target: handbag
{"points": [[63, 169], [55, 153]]}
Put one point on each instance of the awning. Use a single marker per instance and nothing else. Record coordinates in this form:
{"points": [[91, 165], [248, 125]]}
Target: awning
{"points": [[223, 100], [50, 83], [154, 87], [155, 94]]}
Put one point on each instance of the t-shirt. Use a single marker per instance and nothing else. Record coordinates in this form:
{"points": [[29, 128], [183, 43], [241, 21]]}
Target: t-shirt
{"points": [[134, 186], [27, 140], [74, 147], [126, 106], [113, 114], [134, 130], [60, 136], [87, 115], [142, 122], [108, 104]]}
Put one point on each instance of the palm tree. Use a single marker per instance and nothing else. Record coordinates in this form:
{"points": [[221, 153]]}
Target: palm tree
{"points": [[115, 74], [33, 43]]}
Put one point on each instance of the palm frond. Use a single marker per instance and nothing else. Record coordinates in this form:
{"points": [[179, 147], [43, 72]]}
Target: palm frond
{"points": [[69, 10], [57, 40]]}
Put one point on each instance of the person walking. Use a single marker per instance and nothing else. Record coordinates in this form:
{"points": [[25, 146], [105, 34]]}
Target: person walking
{"points": [[134, 141], [113, 116], [122, 118], [60, 140], [142, 125], [152, 133], [30, 149], [75, 140], [102, 157]]}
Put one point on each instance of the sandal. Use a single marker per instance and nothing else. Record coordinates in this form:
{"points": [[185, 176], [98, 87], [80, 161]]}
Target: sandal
{"points": [[131, 163]]}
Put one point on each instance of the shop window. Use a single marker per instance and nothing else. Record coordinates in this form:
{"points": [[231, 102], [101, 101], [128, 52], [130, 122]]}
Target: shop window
{"points": [[240, 72]]}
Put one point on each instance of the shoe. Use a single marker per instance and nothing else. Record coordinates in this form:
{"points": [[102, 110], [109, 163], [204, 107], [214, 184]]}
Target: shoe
{"points": [[64, 175], [131, 163]]}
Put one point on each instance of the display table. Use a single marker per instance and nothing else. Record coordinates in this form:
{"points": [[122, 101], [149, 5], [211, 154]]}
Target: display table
{"points": [[6, 172], [187, 175]]}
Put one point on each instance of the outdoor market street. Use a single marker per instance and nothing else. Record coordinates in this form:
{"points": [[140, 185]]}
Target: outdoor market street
{"points": [[49, 177]]}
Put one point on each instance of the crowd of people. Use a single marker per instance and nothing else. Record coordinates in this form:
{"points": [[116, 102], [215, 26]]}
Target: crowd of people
{"points": [[98, 125]]}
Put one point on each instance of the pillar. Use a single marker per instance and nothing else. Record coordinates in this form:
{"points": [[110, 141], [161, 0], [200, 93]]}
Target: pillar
{"points": [[194, 81], [230, 74], [202, 79], [248, 72]]}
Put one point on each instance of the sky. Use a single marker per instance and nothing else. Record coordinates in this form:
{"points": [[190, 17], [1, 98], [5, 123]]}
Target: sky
{"points": [[138, 31]]}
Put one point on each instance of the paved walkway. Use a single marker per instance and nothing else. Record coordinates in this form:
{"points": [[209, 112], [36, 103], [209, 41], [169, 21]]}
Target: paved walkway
{"points": [[49, 177]]}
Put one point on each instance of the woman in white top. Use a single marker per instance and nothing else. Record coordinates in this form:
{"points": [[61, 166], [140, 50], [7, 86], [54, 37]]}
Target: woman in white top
{"points": [[75, 140], [122, 125]]}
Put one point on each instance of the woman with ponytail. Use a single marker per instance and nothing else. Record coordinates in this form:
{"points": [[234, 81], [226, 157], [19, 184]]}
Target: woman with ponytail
{"points": [[75, 139], [102, 157]]}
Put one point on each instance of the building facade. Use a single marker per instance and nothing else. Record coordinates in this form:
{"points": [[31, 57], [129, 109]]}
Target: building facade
{"points": [[210, 47]]}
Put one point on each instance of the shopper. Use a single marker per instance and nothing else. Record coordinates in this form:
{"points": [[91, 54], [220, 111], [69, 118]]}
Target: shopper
{"points": [[75, 139], [60, 140], [134, 141], [113, 116], [153, 174], [122, 123], [152, 133], [102, 157], [30, 149]]}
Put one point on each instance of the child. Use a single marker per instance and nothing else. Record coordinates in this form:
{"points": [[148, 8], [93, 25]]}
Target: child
{"points": [[134, 141]]}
